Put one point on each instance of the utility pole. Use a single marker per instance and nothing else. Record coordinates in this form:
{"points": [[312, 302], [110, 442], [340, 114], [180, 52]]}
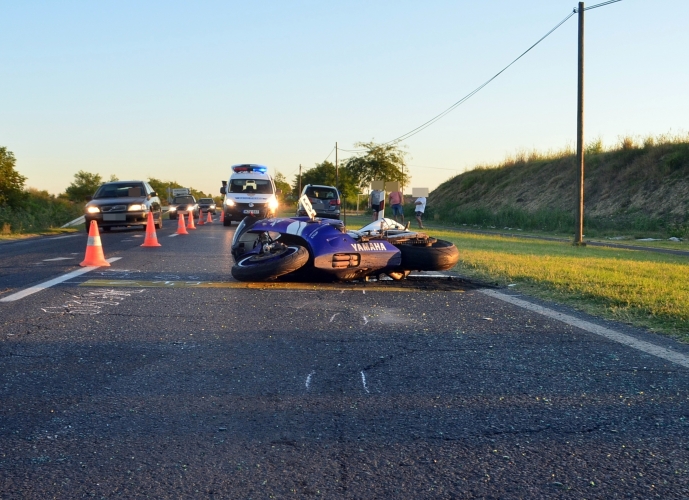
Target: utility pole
{"points": [[299, 194], [337, 170], [579, 236]]}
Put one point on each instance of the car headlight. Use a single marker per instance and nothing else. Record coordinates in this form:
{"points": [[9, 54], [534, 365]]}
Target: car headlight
{"points": [[273, 203], [136, 207], [229, 203], [172, 209], [93, 210], [190, 208], [212, 207]]}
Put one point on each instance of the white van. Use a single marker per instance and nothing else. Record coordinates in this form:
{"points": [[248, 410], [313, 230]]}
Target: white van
{"points": [[249, 192]]}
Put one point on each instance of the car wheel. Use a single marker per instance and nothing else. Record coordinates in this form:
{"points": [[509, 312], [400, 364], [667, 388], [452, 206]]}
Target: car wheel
{"points": [[106, 229], [268, 267], [227, 221], [440, 256]]}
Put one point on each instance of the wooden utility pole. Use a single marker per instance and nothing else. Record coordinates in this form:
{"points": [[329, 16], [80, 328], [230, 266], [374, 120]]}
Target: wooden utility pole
{"points": [[579, 236], [337, 170], [299, 194]]}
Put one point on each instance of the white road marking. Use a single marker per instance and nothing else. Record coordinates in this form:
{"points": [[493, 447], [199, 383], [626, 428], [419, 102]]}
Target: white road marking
{"points": [[363, 381], [57, 258], [308, 379], [55, 281], [365, 320], [615, 336], [173, 235], [62, 237], [364, 291], [331, 319]]}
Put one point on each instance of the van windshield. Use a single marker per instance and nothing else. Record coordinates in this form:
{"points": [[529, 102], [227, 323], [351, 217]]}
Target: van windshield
{"points": [[251, 186]]}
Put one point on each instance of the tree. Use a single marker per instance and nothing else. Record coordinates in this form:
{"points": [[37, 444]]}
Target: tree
{"points": [[281, 183], [325, 174], [11, 181], [83, 186], [380, 162]]}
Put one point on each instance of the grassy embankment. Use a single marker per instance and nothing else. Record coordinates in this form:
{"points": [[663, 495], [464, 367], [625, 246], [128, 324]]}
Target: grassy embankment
{"points": [[638, 189], [40, 213]]}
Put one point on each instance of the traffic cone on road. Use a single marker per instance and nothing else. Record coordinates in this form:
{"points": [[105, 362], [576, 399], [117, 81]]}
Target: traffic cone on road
{"points": [[94, 249], [181, 225], [151, 239], [209, 219], [200, 222], [190, 224]]}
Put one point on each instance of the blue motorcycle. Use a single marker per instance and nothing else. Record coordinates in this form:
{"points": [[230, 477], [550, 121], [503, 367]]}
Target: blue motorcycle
{"points": [[310, 247]]}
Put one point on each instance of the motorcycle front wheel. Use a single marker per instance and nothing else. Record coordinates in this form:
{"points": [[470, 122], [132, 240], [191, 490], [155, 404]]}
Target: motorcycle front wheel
{"points": [[269, 267], [440, 256]]}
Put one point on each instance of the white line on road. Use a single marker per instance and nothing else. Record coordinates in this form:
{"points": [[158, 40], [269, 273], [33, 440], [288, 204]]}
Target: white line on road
{"points": [[363, 381], [331, 319], [308, 379], [55, 281], [365, 320], [647, 347], [173, 235], [57, 258]]}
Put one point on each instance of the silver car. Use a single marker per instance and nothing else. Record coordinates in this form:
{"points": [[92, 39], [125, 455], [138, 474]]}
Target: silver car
{"points": [[325, 200]]}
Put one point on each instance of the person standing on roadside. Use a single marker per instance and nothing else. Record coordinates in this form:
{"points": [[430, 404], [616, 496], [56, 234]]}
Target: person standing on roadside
{"points": [[377, 202], [395, 200], [419, 209]]}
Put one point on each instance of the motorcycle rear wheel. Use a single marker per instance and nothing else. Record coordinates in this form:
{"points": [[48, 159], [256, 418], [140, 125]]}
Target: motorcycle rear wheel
{"points": [[440, 256], [257, 268]]}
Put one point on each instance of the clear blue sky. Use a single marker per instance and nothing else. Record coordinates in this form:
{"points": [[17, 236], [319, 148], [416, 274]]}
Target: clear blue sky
{"points": [[182, 90]]}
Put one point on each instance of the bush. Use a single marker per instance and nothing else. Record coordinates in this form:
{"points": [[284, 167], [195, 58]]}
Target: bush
{"points": [[40, 211]]}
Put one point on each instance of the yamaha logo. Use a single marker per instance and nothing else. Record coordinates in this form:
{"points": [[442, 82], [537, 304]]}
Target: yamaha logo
{"points": [[251, 204]]}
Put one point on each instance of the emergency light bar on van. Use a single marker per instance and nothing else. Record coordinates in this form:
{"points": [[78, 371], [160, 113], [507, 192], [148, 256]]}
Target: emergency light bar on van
{"points": [[250, 168]]}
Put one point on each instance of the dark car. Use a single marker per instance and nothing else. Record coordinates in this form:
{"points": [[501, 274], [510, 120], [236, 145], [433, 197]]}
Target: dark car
{"points": [[185, 203], [325, 200], [123, 203], [207, 205]]}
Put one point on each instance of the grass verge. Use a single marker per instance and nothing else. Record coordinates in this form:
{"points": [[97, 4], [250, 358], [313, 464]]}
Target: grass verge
{"points": [[645, 289]]}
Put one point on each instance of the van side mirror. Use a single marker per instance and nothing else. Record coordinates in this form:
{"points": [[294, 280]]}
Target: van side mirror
{"points": [[222, 190], [153, 193]]}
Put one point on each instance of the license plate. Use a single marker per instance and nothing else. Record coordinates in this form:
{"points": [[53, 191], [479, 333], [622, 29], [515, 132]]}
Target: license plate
{"points": [[114, 217], [252, 212]]}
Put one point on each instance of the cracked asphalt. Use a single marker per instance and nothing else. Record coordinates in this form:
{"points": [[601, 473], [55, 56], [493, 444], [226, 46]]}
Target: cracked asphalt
{"points": [[431, 390]]}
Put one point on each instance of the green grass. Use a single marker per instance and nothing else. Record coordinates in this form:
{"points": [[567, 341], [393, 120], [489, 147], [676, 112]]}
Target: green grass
{"points": [[645, 289]]}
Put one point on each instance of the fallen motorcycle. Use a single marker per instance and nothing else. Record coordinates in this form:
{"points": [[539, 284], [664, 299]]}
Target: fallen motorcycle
{"points": [[309, 247]]}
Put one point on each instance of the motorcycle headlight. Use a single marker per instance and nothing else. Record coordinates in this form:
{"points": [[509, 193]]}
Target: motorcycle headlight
{"points": [[93, 210], [229, 203], [137, 207], [273, 203]]}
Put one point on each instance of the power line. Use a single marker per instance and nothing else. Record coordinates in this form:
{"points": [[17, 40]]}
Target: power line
{"points": [[598, 5], [476, 90]]}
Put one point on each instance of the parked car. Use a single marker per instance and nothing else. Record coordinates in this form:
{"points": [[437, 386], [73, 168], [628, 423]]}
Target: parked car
{"points": [[123, 203], [185, 203], [325, 200], [207, 205]]}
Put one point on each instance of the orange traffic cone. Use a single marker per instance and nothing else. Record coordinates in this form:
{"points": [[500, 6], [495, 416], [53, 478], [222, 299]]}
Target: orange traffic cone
{"points": [[209, 219], [181, 225], [200, 222], [190, 224], [94, 250], [151, 239]]}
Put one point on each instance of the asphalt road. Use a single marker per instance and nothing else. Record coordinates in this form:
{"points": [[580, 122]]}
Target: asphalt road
{"points": [[160, 376]]}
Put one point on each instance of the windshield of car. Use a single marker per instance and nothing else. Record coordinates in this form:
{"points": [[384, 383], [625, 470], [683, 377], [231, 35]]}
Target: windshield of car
{"points": [[123, 190], [250, 186], [321, 193], [183, 199], [205, 200]]}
